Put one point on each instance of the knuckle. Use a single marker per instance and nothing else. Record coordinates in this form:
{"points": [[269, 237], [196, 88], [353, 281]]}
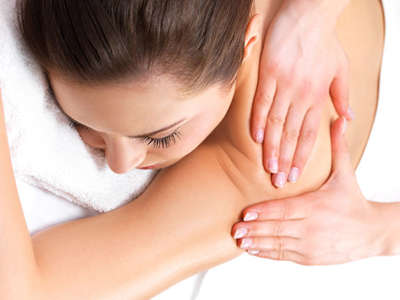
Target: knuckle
{"points": [[264, 98], [280, 249], [276, 120], [277, 229], [291, 135], [309, 135], [305, 88]]}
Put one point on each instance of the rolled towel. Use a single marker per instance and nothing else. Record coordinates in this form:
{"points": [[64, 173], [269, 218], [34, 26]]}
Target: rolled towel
{"points": [[45, 150]]}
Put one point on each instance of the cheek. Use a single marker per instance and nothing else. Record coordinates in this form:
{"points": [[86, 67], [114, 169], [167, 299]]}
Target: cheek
{"points": [[203, 124], [195, 131], [200, 127], [193, 134]]}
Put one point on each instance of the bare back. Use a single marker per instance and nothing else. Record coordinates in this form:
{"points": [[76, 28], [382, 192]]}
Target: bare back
{"points": [[361, 31]]}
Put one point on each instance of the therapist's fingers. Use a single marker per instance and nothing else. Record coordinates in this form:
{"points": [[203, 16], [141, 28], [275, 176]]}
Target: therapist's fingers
{"points": [[306, 142], [289, 142], [267, 228], [294, 208], [287, 255], [271, 243], [262, 103], [273, 133]]}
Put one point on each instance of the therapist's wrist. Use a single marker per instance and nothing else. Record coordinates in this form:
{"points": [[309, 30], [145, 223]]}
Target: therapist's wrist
{"points": [[388, 224], [320, 11]]}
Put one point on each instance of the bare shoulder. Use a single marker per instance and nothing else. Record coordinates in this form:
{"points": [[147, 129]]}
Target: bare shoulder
{"points": [[243, 157]]}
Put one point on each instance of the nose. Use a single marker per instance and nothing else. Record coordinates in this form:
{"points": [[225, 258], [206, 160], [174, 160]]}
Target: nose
{"points": [[123, 154]]}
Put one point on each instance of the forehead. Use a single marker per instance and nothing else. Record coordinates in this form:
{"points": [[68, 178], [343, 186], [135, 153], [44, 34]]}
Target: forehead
{"points": [[115, 107]]}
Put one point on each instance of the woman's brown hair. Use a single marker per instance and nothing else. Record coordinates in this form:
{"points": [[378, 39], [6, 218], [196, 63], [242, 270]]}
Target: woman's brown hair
{"points": [[197, 42]]}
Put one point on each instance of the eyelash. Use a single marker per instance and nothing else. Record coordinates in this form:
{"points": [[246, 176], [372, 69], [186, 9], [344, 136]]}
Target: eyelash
{"points": [[164, 142], [157, 143], [72, 124]]}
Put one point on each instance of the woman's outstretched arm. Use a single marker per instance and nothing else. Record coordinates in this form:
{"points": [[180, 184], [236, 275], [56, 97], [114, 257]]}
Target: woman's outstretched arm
{"points": [[17, 259], [179, 226]]}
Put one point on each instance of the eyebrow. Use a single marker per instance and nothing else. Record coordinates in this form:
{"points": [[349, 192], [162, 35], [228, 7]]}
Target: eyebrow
{"points": [[132, 137]]}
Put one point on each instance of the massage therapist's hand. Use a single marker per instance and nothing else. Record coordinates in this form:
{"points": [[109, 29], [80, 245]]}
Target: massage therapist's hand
{"points": [[333, 225], [302, 64]]}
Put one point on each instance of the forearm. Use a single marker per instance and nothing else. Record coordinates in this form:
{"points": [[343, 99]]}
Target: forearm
{"points": [[325, 10], [17, 263], [388, 222]]}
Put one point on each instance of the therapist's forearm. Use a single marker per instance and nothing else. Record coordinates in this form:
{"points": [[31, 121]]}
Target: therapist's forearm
{"points": [[326, 10]]}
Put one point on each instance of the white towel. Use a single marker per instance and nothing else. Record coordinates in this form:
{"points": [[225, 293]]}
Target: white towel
{"points": [[45, 150]]}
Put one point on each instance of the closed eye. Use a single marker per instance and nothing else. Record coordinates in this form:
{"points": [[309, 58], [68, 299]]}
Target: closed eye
{"points": [[164, 142], [157, 143]]}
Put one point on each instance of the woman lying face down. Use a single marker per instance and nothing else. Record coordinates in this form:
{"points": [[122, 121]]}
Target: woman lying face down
{"points": [[145, 90], [228, 164]]}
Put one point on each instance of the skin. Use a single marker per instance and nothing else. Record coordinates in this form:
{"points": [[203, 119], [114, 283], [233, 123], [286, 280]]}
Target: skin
{"points": [[313, 228], [228, 161], [107, 123], [302, 63], [333, 225]]}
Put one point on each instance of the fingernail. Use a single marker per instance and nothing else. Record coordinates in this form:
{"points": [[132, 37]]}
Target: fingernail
{"points": [[253, 252], [246, 243], [293, 175], [250, 216], [239, 233], [273, 165], [260, 136], [351, 113], [280, 180]]}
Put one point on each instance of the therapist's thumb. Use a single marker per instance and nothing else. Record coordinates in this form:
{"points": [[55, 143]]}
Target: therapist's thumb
{"points": [[341, 160]]}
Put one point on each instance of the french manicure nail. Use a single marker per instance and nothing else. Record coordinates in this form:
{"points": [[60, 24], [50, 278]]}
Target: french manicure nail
{"points": [[280, 179], [250, 216], [273, 165], [260, 136], [253, 252], [239, 233], [246, 243], [293, 175]]}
